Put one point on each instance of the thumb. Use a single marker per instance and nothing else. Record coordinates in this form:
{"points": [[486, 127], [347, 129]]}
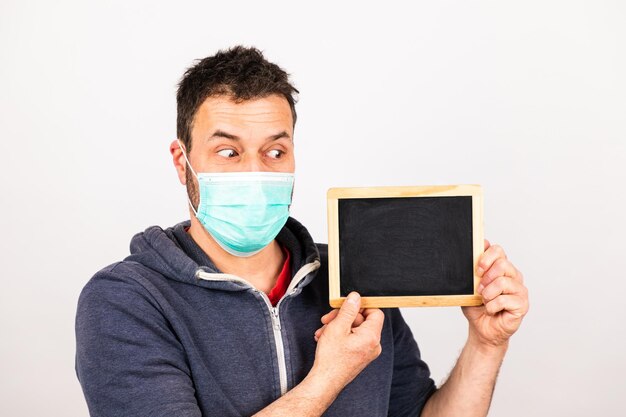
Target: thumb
{"points": [[348, 311]]}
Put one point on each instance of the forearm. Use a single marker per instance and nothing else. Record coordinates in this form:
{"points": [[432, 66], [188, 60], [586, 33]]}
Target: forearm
{"points": [[310, 398], [469, 388]]}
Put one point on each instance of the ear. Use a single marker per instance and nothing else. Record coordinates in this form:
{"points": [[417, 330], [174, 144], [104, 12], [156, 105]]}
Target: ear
{"points": [[179, 161]]}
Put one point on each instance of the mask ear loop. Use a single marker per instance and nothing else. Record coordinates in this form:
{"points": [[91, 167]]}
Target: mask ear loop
{"points": [[180, 145]]}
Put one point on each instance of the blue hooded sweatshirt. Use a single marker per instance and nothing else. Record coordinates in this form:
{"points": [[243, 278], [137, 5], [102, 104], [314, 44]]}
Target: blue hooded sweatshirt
{"points": [[165, 333]]}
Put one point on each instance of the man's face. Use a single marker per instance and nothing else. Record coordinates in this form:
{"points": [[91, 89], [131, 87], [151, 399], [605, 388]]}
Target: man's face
{"points": [[253, 135]]}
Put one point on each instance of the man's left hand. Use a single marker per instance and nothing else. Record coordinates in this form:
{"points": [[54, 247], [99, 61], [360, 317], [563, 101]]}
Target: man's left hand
{"points": [[505, 299]]}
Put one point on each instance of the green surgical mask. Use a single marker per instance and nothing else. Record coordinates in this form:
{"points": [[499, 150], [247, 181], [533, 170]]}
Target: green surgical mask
{"points": [[243, 211]]}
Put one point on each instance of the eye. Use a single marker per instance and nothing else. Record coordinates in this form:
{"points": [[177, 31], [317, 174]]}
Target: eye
{"points": [[227, 153], [275, 153]]}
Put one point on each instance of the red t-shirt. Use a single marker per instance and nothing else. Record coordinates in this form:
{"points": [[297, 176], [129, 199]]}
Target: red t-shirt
{"points": [[283, 280]]}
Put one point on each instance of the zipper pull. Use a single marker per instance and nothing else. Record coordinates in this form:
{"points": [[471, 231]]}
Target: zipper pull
{"points": [[275, 318]]}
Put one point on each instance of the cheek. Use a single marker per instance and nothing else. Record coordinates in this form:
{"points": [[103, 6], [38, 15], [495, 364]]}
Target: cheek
{"points": [[284, 164], [290, 163]]}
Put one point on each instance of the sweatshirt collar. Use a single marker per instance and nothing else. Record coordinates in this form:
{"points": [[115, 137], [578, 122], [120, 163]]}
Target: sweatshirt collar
{"points": [[173, 253]]}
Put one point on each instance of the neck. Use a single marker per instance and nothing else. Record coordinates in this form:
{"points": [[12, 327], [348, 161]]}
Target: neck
{"points": [[260, 269]]}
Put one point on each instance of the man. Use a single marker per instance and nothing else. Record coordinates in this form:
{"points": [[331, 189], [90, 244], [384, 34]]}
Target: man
{"points": [[221, 315]]}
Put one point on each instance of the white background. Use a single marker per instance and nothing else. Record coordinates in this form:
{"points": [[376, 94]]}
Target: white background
{"points": [[526, 98]]}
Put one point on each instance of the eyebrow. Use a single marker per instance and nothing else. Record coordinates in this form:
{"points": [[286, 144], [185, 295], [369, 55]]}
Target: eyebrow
{"points": [[221, 134]]}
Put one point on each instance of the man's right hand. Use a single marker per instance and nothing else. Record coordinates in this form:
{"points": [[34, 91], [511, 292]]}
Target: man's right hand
{"points": [[348, 342]]}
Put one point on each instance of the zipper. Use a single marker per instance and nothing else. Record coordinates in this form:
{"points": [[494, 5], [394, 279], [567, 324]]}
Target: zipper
{"points": [[278, 341], [274, 311]]}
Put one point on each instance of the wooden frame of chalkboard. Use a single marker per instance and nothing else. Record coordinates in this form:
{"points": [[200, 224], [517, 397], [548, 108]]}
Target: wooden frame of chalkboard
{"points": [[372, 230]]}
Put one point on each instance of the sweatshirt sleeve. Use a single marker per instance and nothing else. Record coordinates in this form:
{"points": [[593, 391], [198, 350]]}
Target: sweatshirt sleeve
{"points": [[411, 384], [128, 360]]}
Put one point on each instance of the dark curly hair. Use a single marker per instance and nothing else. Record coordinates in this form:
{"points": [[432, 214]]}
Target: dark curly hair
{"points": [[241, 73]]}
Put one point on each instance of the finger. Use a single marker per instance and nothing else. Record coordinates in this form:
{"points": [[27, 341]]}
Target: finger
{"points": [[328, 317], [319, 332], [487, 244], [357, 322], [488, 258], [374, 320], [513, 304], [503, 285], [501, 267], [347, 313], [360, 318]]}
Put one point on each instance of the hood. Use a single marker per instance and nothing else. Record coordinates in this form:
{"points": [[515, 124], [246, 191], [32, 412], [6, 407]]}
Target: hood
{"points": [[165, 251]]}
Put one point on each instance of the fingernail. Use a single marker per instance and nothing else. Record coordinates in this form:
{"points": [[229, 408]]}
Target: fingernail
{"points": [[480, 271], [353, 298]]}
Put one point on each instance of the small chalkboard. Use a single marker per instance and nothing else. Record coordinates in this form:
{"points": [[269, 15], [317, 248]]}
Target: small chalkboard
{"points": [[405, 246]]}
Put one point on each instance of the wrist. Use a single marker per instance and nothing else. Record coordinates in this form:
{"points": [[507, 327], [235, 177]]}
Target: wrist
{"points": [[322, 386], [486, 347]]}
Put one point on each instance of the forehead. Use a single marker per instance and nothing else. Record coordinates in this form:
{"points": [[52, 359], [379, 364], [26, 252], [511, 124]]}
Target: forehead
{"points": [[256, 116]]}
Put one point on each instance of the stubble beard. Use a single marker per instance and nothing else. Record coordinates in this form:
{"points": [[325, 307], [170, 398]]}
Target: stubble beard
{"points": [[192, 189]]}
